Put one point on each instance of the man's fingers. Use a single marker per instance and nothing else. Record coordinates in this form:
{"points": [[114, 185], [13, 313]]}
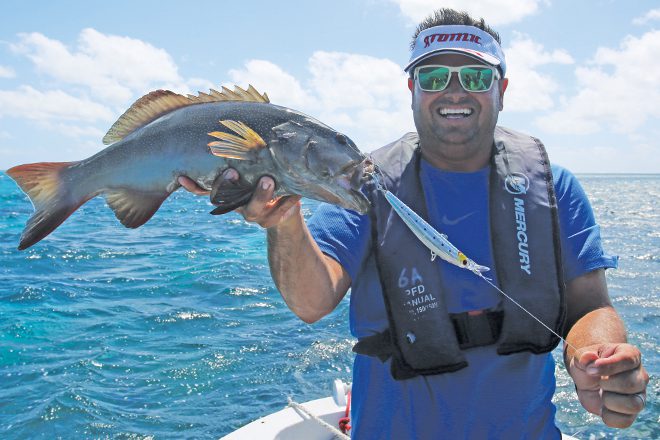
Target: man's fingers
{"points": [[266, 211], [578, 370], [192, 186], [611, 382], [585, 358], [230, 174], [281, 212], [616, 359], [631, 404], [628, 382], [591, 401], [262, 208], [617, 420], [263, 195]]}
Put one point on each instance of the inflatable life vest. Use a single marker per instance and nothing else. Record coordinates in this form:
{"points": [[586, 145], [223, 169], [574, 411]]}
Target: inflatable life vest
{"points": [[526, 247]]}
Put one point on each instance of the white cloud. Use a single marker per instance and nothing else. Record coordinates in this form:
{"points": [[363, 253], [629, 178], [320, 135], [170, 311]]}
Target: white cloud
{"points": [[344, 80], [616, 90], [114, 68], [7, 72], [282, 88], [653, 14], [495, 12], [364, 96], [530, 90], [54, 105]]}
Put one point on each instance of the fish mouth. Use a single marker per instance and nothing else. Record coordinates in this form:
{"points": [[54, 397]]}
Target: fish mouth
{"points": [[350, 181]]}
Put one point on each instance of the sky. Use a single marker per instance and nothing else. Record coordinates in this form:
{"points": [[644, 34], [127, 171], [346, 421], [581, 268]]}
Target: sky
{"points": [[584, 76]]}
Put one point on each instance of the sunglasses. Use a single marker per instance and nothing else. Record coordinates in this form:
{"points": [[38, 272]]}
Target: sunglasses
{"points": [[435, 78]]}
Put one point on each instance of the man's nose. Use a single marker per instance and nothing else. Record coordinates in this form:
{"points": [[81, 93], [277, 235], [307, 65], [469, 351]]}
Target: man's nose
{"points": [[454, 86]]}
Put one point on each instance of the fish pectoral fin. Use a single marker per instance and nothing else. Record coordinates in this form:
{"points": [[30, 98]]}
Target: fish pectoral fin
{"points": [[133, 207], [228, 195], [243, 145]]}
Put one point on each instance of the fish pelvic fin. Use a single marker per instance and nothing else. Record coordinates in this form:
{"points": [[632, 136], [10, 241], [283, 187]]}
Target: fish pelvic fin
{"points": [[228, 195], [132, 207], [160, 102], [52, 200], [243, 145]]}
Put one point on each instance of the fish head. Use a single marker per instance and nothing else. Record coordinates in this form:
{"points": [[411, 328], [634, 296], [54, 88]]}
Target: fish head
{"points": [[318, 162]]}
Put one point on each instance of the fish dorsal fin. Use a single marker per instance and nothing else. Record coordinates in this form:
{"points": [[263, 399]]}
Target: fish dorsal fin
{"points": [[157, 103], [146, 109], [239, 94]]}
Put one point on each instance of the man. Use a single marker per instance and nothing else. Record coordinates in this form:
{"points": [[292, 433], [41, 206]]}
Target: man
{"points": [[441, 353]]}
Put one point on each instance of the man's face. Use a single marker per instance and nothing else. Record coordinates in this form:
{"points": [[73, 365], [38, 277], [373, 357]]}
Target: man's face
{"points": [[452, 140]]}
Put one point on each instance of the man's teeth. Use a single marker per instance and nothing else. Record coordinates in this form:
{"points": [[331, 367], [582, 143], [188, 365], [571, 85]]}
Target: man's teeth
{"points": [[455, 112]]}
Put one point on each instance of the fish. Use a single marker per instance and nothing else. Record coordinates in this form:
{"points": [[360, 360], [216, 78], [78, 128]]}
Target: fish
{"points": [[165, 135]]}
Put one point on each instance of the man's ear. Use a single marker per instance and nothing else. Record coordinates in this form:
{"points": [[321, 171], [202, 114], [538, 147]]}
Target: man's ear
{"points": [[505, 84], [410, 84]]}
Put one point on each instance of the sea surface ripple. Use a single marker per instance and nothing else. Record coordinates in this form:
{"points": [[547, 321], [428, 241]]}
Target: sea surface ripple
{"points": [[175, 330]]}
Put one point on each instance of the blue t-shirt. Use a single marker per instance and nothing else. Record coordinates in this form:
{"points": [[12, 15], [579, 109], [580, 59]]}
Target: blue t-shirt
{"points": [[495, 397]]}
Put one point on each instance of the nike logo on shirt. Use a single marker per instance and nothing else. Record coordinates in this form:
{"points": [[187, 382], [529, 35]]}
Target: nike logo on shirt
{"points": [[456, 221]]}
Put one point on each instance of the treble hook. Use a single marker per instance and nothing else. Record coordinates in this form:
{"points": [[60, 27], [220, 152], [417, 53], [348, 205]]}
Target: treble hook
{"points": [[373, 172]]}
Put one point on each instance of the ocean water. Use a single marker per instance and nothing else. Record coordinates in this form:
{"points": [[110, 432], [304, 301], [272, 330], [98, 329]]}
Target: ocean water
{"points": [[175, 330]]}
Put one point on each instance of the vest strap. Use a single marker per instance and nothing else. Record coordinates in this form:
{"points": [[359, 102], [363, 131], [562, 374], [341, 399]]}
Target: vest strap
{"points": [[378, 345], [471, 331], [477, 330]]}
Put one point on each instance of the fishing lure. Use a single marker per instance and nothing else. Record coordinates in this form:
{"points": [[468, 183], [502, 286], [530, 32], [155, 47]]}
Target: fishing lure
{"points": [[438, 243]]}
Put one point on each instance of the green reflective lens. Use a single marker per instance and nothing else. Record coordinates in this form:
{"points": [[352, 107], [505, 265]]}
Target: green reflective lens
{"points": [[472, 78], [433, 78], [476, 79]]}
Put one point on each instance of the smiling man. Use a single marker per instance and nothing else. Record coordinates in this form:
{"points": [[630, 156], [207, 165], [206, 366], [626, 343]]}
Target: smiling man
{"points": [[440, 353]]}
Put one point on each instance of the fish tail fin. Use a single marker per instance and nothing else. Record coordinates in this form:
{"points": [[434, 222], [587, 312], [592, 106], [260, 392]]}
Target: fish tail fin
{"points": [[478, 269], [52, 199]]}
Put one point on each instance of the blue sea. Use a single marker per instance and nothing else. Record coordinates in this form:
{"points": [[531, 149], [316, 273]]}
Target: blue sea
{"points": [[175, 330]]}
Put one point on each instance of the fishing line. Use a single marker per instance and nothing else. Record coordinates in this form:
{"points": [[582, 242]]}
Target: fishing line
{"points": [[525, 310]]}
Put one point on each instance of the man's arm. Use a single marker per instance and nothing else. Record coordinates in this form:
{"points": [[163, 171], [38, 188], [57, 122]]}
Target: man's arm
{"points": [[608, 372], [310, 282]]}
